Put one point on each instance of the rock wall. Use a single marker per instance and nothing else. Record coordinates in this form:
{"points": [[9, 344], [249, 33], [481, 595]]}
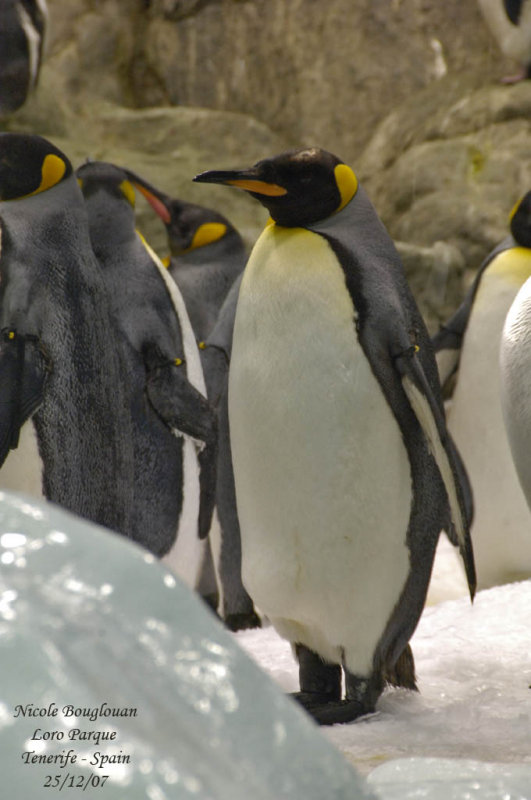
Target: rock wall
{"points": [[405, 90]]}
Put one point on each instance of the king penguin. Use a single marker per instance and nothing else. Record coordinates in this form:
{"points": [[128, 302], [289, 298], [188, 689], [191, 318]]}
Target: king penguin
{"points": [[510, 24], [22, 30], [207, 258], [344, 470], [167, 397], [515, 383], [207, 254], [468, 345], [58, 363]]}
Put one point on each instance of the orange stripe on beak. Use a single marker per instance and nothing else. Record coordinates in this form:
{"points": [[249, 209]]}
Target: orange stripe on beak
{"points": [[259, 187]]}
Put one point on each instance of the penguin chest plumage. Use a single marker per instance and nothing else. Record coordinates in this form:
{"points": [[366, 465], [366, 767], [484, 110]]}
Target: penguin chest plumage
{"points": [[322, 474], [475, 421]]}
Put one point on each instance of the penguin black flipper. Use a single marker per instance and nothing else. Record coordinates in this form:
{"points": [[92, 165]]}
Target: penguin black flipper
{"points": [[390, 332], [432, 421], [448, 340], [186, 412], [23, 369]]}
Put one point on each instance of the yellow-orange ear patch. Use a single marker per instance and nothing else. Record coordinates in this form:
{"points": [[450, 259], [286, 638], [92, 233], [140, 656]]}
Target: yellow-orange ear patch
{"points": [[53, 169], [207, 233], [347, 183], [128, 192]]}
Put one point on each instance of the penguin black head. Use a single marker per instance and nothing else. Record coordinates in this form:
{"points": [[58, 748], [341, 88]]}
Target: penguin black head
{"points": [[29, 165], [96, 176], [189, 226], [298, 187], [521, 221]]}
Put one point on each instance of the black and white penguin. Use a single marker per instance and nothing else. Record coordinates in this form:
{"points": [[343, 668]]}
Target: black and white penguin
{"points": [[207, 254], [22, 31], [344, 470], [207, 259], [468, 346], [58, 362], [510, 24], [167, 394], [515, 369]]}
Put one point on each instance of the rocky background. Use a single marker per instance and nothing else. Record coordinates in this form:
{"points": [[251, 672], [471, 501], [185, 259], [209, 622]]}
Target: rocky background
{"points": [[406, 91]]}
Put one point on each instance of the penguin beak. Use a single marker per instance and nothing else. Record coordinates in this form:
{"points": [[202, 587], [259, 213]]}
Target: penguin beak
{"points": [[250, 180], [157, 200]]}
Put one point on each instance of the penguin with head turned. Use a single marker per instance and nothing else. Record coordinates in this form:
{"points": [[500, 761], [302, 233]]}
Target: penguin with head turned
{"points": [[344, 470], [510, 24], [467, 347], [207, 253], [22, 30], [58, 360], [207, 258], [167, 397]]}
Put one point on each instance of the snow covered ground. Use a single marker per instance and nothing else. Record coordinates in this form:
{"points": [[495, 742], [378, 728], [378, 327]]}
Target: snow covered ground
{"points": [[474, 674]]}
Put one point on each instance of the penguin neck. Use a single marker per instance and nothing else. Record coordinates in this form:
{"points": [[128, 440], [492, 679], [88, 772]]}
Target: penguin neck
{"points": [[229, 251]]}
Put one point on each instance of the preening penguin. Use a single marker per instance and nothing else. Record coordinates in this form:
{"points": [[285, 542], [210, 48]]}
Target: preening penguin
{"points": [[22, 29], [57, 359], [207, 254], [167, 393], [470, 345], [510, 23], [344, 470]]}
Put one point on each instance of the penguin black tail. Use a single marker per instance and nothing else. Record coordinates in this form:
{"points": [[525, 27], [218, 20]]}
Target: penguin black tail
{"points": [[402, 672]]}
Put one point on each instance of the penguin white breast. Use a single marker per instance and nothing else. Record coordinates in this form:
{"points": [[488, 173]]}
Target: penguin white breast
{"points": [[515, 365], [322, 474], [187, 553], [475, 420]]}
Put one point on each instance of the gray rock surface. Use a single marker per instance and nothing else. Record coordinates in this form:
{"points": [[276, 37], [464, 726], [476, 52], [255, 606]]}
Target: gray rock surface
{"points": [[406, 91]]}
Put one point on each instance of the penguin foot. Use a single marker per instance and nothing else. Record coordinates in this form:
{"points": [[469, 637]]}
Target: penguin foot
{"points": [[241, 622], [336, 712], [312, 700], [320, 682]]}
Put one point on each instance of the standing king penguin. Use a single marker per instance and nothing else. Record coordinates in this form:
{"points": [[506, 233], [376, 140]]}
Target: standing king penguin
{"points": [[58, 361], [345, 473], [207, 258], [167, 399], [469, 345], [515, 368]]}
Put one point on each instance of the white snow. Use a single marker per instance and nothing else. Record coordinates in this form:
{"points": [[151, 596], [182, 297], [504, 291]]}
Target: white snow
{"points": [[474, 674]]}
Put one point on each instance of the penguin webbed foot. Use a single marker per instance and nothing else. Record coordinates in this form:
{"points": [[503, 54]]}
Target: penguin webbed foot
{"points": [[331, 712], [242, 622]]}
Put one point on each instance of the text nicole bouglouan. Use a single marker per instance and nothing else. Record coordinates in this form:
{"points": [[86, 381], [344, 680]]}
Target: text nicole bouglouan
{"points": [[67, 752]]}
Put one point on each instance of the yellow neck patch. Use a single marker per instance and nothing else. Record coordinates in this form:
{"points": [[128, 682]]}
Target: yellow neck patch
{"points": [[128, 192], [347, 183], [206, 234], [53, 169], [513, 265]]}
